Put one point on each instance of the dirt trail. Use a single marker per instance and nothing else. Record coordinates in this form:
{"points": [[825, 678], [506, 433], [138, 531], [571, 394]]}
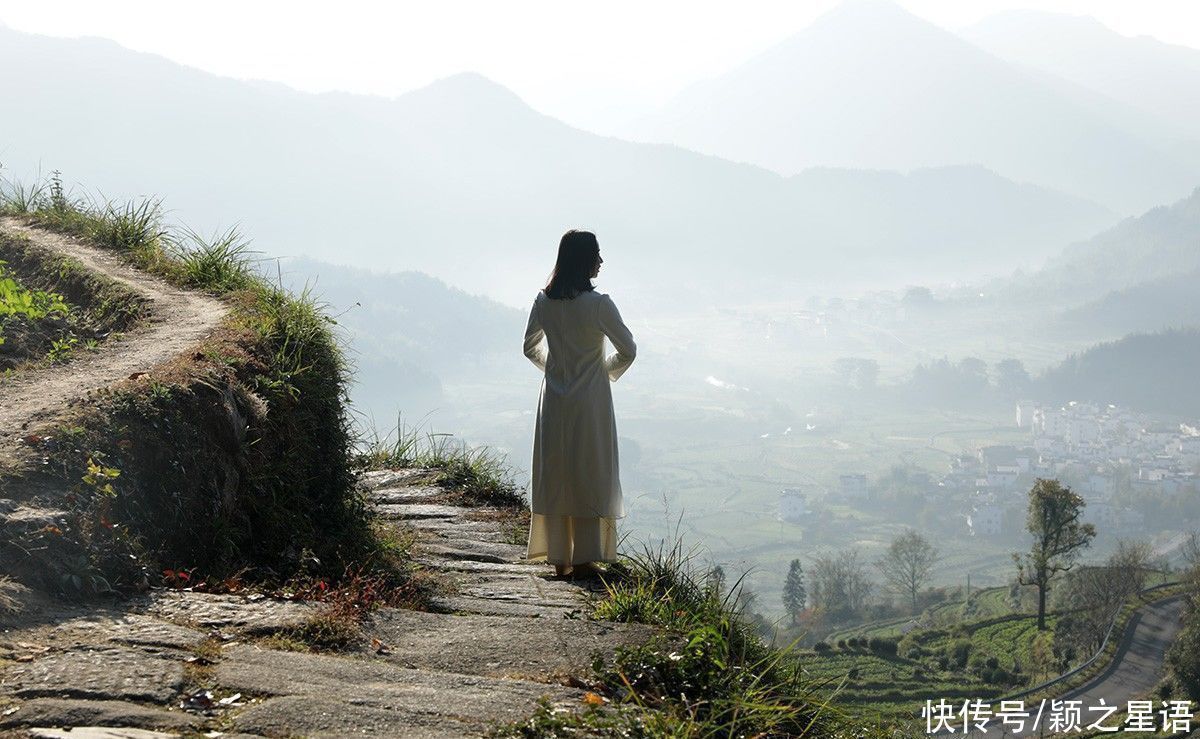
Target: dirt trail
{"points": [[178, 320]]}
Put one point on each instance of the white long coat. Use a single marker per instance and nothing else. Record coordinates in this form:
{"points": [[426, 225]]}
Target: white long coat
{"points": [[575, 467]]}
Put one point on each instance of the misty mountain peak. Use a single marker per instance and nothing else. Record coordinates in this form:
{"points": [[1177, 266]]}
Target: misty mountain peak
{"points": [[471, 88], [1026, 20], [870, 16]]}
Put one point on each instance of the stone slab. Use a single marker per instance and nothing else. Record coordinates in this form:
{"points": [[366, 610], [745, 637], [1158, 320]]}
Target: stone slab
{"points": [[80, 713], [97, 732], [473, 549], [496, 646], [100, 673], [227, 612], [353, 692]]}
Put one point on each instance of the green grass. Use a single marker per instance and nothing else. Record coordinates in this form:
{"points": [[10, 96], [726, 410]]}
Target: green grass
{"points": [[221, 263], [16, 300], [50, 309], [476, 475], [709, 674]]}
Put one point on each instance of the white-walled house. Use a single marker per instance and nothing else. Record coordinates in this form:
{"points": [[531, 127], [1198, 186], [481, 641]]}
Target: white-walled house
{"points": [[793, 505], [986, 519], [1003, 476], [1025, 413], [853, 486]]}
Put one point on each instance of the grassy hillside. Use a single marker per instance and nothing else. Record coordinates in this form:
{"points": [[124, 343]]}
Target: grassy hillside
{"points": [[231, 463]]}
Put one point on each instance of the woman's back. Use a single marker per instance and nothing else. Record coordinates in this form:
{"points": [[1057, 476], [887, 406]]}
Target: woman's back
{"points": [[576, 494], [575, 329]]}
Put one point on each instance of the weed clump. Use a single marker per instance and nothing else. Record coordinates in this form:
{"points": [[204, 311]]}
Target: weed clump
{"points": [[709, 674], [477, 476]]}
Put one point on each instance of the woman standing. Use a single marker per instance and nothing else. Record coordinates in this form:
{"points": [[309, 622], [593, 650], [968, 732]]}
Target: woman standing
{"points": [[576, 476]]}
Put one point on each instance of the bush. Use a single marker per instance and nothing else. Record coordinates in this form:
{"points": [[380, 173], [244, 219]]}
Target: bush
{"points": [[915, 652], [822, 648], [959, 652], [1184, 655], [841, 643], [708, 671], [886, 647]]}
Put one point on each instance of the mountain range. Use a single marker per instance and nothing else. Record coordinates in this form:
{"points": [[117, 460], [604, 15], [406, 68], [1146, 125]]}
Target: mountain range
{"points": [[1153, 76], [464, 181], [869, 85], [1161, 244]]}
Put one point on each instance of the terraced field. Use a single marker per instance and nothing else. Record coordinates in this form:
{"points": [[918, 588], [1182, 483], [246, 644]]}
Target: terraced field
{"points": [[891, 685]]}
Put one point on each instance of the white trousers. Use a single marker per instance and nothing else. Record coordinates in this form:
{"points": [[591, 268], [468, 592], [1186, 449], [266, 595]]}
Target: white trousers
{"points": [[571, 540]]}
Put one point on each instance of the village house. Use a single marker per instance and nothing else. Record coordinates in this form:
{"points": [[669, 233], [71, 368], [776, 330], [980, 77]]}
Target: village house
{"points": [[793, 506]]}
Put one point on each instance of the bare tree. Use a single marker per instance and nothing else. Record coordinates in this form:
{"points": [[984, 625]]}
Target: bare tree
{"points": [[907, 565], [1128, 566], [839, 585], [1191, 552], [1058, 536]]}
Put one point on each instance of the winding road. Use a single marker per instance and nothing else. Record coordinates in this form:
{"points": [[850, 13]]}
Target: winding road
{"points": [[1138, 663], [1136, 668]]}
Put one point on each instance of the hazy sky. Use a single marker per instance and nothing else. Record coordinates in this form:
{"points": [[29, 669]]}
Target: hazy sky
{"points": [[596, 63]]}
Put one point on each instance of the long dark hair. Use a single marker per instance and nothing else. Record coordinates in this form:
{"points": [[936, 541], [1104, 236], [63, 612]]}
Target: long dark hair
{"points": [[578, 252]]}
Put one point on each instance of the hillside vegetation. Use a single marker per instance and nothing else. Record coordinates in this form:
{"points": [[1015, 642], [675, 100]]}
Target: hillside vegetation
{"points": [[1159, 244], [50, 306], [231, 463], [1151, 372]]}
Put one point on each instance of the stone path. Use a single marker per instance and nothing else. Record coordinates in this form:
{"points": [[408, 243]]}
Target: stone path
{"points": [[506, 636]]}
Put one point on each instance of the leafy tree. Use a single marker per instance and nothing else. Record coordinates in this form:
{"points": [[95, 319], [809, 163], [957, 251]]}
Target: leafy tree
{"points": [[857, 372], [918, 296], [794, 594], [1012, 380], [950, 383], [974, 373], [907, 564], [1058, 536]]}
